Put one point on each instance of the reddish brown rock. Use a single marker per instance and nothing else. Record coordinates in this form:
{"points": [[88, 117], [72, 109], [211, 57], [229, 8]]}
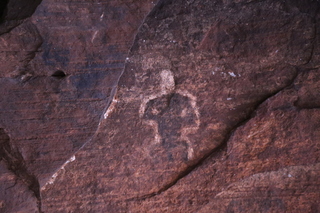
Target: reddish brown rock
{"points": [[258, 155], [189, 82], [216, 110], [59, 69], [15, 195], [293, 189]]}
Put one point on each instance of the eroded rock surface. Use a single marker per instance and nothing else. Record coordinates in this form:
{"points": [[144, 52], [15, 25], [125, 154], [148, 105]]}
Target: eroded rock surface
{"points": [[216, 109], [59, 69]]}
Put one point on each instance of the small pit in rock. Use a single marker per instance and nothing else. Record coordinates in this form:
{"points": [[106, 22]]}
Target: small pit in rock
{"points": [[59, 74]]}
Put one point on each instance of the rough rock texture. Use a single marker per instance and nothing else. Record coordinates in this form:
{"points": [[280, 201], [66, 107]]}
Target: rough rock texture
{"points": [[59, 68], [202, 106]]}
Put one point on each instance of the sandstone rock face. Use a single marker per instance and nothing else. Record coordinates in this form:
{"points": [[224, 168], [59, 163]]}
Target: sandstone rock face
{"points": [[169, 106], [59, 68]]}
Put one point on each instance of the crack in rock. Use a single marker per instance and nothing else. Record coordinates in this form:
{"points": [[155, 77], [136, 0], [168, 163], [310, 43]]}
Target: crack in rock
{"points": [[110, 105], [216, 149], [15, 163], [56, 174]]}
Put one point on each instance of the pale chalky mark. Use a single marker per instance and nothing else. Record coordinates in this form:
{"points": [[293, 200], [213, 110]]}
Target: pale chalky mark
{"points": [[184, 136], [94, 35], [190, 129], [167, 82], [110, 108], [167, 86], [154, 125], [232, 74], [101, 17], [154, 61], [144, 102], [56, 174], [193, 102]]}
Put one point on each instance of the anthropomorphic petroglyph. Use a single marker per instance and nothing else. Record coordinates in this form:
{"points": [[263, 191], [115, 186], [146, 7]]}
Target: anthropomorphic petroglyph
{"points": [[172, 116]]}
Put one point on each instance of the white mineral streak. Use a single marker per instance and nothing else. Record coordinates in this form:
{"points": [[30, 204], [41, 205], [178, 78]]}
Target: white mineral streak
{"points": [[232, 74], [94, 35], [56, 174], [101, 17], [110, 108]]}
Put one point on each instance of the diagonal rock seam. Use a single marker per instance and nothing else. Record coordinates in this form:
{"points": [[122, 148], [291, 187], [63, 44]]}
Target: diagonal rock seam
{"points": [[212, 152], [17, 165], [228, 135], [25, 75], [112, 94], [8, 152]]}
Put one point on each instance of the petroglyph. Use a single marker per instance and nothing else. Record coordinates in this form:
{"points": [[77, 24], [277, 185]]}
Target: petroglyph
{"points": [[173, 117], [166, 110], [155, 127], [167, 86]]}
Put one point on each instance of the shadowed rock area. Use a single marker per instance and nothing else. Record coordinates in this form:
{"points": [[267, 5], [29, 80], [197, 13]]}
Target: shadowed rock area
{"points": [[168, 106]]}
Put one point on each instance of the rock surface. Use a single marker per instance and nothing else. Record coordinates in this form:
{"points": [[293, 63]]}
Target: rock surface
{"points": [[169, 106]]}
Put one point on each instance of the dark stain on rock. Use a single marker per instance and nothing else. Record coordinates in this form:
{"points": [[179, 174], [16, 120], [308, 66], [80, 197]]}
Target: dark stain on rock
{"points": [[3, 6], [55, 55], [85, 81]]}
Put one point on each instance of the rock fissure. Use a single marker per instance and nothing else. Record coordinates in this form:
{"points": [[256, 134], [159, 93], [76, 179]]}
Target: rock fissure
{"points": [[16, 164], [110, 100], [15, 183]]}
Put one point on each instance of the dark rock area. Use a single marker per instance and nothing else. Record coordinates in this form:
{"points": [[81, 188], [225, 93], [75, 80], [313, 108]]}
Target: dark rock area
{"points": [[168, 106]]}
